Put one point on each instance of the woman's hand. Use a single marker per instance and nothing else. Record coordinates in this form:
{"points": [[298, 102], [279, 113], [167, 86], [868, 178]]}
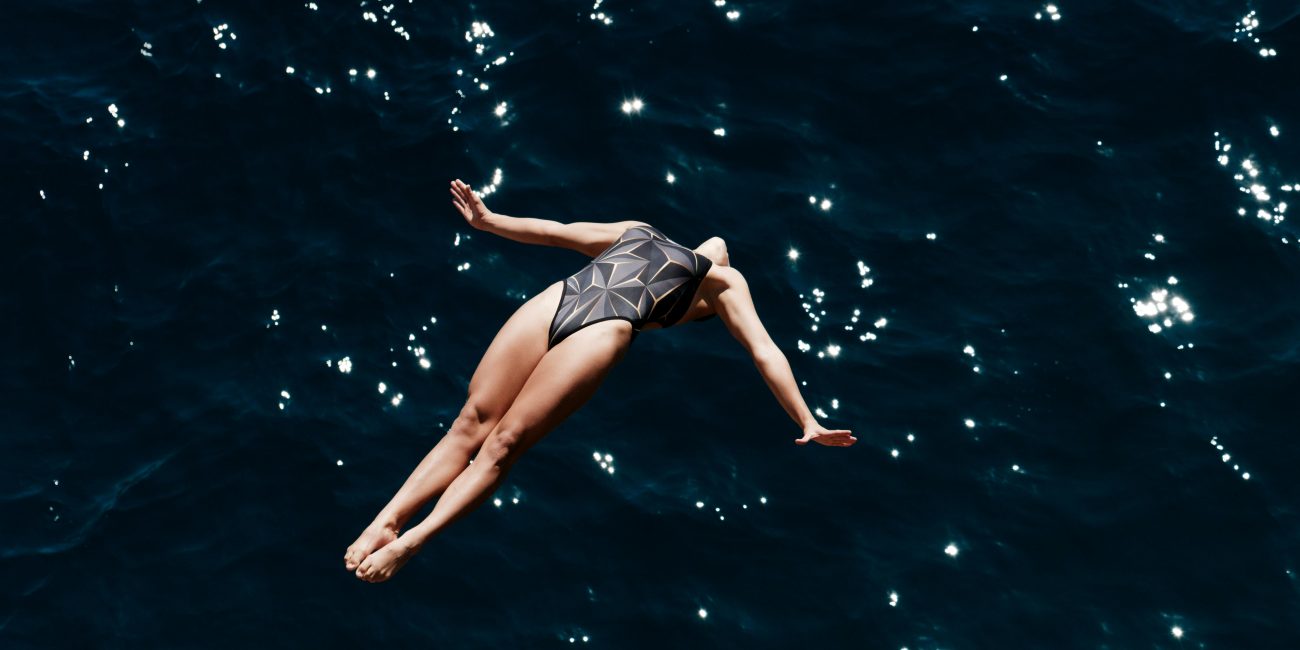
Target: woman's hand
{"points": [[469, 205], [828, 437]]}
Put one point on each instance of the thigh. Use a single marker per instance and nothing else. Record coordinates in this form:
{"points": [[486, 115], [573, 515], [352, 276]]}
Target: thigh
{"points": [[565, 379], [513, 354]]}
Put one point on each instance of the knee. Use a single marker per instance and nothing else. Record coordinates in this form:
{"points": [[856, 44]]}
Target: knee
{"points": [[472, 423], [503, 445], [475, 411]]}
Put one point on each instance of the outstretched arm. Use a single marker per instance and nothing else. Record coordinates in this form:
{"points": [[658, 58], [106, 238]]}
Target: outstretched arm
{"points": [[589, 238], [728, 292]]}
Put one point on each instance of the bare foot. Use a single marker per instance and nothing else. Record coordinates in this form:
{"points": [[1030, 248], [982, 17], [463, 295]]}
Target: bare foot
{"points": [[382, 564], [373, 538]]}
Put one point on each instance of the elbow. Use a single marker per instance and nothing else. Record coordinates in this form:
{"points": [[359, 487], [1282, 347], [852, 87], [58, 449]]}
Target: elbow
{"points": [[557, 233], [767, 353]]}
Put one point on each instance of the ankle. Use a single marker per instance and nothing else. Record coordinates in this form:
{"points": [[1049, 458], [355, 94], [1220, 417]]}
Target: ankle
{"points": [[386, 522], [411, 542]]}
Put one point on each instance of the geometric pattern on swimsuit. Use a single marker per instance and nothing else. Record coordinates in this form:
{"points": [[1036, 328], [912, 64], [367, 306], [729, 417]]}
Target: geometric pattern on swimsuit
{"points": [[643, 277]]}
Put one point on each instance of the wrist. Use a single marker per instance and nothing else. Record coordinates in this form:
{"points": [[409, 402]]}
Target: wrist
{"points": [[487, 222]]}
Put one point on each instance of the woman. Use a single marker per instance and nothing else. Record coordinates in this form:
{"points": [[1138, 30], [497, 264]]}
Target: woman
{"points": [[553, 352]]}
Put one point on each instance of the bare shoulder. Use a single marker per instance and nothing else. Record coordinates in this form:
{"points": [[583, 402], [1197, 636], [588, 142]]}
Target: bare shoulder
{"points": [[590, 237], [613, 229], [727, 292], [715, 249], [719, 278]]}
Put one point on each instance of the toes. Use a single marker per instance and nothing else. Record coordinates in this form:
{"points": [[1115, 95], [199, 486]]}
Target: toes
{"points": [[353, 559], [365, 570]]}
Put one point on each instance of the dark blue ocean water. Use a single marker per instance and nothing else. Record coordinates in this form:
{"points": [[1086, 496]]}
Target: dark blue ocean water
{"points": [[962, 223]]}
